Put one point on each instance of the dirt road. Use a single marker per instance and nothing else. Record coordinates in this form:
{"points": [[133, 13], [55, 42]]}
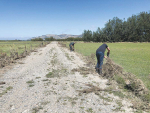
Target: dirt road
{"points": [[45, 83]]}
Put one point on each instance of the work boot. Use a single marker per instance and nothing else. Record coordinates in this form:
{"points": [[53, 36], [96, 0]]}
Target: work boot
{"points": [[96, 70], [100, 71]]}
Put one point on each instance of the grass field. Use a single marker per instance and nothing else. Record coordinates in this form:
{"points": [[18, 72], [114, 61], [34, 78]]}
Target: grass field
{"points": [[133, 57], [19, 46]]}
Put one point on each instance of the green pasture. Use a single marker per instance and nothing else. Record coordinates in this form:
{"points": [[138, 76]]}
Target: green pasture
{"points": [[133, 57], [18, 46]]}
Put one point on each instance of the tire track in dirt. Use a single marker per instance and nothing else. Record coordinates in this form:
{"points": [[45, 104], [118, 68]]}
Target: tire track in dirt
{"points": [[45, 83]]}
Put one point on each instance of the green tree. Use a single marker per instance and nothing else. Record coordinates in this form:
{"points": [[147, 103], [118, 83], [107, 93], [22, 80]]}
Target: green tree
{"points": [[87, 35]]}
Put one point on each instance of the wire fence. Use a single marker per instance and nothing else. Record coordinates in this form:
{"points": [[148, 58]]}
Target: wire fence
{"points": [[14, 52]]}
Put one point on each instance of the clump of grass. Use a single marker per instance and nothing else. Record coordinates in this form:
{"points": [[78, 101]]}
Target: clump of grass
{"points": [[45, 103], [46, 93], [9, 88], [81, 107], [85, 76], [36, 109], [83, 70], [63, 70], [105, 98], [119, 106], [30, 83], [64, 103], [70, 99], [90, 110], [47, 83], [119, 94], [38, 77], [57, 73], [53, 62], [119, 80], [73, 103], [49, 75], [54, 73], [146, 97], [5, 91], [67, 55], [45, 80]]}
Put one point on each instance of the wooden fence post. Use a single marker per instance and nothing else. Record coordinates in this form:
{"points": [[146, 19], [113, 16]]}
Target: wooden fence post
{"points": [[31, 47]]}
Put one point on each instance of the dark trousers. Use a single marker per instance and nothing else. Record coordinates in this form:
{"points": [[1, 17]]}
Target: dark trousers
{"points": [[71, 48], [100, 57]]}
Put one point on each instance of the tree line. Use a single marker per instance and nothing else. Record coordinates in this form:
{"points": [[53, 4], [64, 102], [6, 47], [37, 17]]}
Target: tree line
{"points": [[135, 28]]}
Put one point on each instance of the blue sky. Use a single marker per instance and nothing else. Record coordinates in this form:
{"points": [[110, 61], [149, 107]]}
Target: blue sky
{"points": [[23, 19]]}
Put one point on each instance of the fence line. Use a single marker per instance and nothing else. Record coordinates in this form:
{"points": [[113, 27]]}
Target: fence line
{"points": [[14, 55]]}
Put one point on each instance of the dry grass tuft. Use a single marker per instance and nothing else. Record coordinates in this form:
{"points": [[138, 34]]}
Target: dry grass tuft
{"points": [[84, 70], [90, 61], [61, 44], [5, 91], [140, 105], [94, 89], [91, 88]]}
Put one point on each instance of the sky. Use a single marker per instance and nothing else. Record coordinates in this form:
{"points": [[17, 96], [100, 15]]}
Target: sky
{"points": [[24, 19]]}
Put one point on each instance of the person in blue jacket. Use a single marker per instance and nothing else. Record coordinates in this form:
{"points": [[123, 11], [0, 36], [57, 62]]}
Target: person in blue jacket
{"points": [[100, 55], [71, 45]]}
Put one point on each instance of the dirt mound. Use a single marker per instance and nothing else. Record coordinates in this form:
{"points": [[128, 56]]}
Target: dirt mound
{"points": [[110, 69], [127, 81]]}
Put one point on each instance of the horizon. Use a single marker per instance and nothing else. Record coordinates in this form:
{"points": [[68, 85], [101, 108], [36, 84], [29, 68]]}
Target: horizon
{"points": [[26, 19], [28, 38]]}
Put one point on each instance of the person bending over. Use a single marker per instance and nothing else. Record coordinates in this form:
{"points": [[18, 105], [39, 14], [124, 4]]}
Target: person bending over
{"points": [[100, 55], [71, 45]]}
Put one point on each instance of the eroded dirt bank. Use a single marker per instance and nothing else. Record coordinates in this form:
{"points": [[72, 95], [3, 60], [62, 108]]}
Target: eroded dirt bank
{"points": [[45, 82]]}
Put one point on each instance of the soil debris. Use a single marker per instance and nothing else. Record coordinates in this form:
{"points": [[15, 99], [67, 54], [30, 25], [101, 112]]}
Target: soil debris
{"points": [[128, 81], [91, 88], [110, 69], [83, 70], [1, 83]]}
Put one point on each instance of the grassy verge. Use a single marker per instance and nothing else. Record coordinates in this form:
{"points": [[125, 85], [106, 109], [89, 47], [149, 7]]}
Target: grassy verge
{"points": [[18, 46], [133, 57]]}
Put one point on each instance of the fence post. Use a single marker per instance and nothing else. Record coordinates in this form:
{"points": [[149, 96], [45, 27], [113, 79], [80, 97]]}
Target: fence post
{"points": [[31, 47]]}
